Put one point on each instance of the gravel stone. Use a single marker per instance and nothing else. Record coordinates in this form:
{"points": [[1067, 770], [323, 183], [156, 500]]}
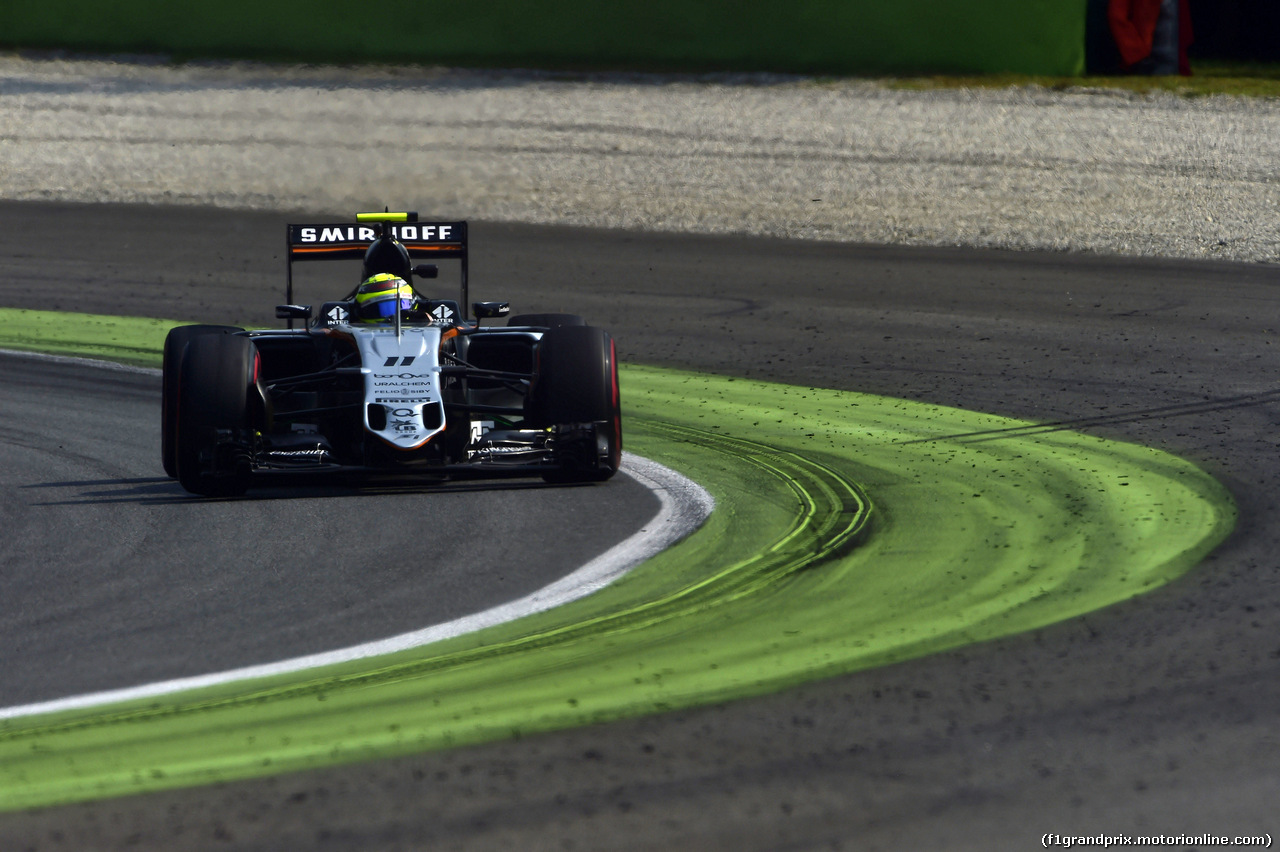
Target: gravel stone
{"points": [[845, 160]]}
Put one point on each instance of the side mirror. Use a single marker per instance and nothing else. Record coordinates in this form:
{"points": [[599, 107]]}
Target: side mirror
{"points": [[491, 310], [426, 270], [302, 312]]}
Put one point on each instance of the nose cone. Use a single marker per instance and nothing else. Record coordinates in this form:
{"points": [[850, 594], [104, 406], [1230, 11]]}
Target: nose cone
{"points": [[403, 404]]}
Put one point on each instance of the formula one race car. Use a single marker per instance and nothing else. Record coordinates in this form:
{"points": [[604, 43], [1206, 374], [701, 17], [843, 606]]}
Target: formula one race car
{"points": [[386, 379]]}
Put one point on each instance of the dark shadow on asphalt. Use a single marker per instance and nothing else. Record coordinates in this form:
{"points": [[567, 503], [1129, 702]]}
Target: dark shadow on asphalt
{"points": [[282, 486]]}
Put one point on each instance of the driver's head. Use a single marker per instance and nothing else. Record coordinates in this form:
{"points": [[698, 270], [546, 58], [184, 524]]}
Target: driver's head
{"points": [[379, 297]]}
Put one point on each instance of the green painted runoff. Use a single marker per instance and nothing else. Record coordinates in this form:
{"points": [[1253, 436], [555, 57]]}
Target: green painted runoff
{"points": [[850, 531]]}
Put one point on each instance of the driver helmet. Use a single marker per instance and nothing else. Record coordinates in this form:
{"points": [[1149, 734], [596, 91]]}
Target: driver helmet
{"points": [[379, 296]]}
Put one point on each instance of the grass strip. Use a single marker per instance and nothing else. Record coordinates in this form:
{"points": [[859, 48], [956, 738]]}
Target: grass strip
{"points": [[128, 340], [979, 531]]}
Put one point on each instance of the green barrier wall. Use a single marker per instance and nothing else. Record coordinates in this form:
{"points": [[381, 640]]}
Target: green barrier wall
{"points": [[805, 36]]}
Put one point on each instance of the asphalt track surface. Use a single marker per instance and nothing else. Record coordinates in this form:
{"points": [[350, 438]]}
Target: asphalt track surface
{"points": [[1156, 716], [117, 577]]}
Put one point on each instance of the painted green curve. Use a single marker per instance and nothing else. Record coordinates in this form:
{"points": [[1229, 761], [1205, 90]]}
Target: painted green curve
{"points": [[981, 529]]}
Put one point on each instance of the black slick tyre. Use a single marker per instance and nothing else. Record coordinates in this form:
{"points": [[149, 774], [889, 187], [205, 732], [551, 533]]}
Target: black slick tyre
{"points": [[174, 345], [575, 385], [545, 320], [213, 431]]}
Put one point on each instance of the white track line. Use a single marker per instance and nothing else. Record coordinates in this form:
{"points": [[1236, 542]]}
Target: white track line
{"points": [[684, 506], [77, 360]]}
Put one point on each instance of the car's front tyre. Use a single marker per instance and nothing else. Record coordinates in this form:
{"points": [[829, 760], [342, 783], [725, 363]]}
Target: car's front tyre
{"points": [[545, 320], [214, 430], [575, 386], [175, 343]]}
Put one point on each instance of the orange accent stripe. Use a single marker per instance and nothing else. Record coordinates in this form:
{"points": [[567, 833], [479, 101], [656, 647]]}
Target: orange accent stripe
{"points": [[355, 244]]}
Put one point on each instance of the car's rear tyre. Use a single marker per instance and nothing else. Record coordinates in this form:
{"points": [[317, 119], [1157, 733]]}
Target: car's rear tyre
{"points": [[214, 431], [576, 383], [545, 320], [174, 345]]}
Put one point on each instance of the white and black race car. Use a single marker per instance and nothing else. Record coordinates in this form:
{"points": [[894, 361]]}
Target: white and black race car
{"points": [[427, 392]]}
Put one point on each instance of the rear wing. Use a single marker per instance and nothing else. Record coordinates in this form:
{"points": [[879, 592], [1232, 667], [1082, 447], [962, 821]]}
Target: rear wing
{"points": [[347, 241]]}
